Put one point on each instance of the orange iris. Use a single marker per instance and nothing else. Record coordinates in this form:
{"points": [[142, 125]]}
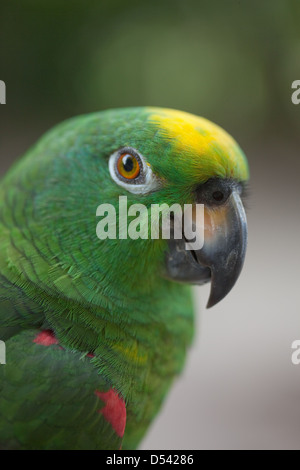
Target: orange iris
{"points": [[128, 166]]}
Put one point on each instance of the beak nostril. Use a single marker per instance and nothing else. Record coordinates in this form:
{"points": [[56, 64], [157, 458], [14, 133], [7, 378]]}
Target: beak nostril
{"points": [[218, 196]]}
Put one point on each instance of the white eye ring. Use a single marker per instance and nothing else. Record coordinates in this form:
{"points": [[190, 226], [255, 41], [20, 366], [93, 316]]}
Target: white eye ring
{"points": [[144, 183]]}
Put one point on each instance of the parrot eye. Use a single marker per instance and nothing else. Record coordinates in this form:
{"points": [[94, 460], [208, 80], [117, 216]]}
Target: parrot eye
{"points": [[129, 169], [128, 166]]}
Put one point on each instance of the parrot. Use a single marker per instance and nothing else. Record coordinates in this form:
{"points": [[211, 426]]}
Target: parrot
{"points": [[97, 330]]}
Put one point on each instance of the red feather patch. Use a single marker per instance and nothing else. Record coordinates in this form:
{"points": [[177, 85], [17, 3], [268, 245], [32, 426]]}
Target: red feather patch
{"points": [[46, 338], [114, 410]]}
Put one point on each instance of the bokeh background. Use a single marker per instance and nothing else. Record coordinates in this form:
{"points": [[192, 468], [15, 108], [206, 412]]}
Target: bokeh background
{"points": [[232, 62]]}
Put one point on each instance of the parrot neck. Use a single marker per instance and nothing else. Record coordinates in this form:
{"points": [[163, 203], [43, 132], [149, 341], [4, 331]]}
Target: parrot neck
{"points": [[136, 343]]}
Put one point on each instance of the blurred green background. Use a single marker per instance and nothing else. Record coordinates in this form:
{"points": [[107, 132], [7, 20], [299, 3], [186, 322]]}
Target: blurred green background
{"points": [[233, 62]]}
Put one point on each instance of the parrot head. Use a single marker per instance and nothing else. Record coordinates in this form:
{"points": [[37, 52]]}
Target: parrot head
{"points": [[152, 156], [182, 158]]}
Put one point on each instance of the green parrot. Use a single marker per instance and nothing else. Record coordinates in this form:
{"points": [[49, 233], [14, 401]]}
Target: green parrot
{"points": [[96, 329]]}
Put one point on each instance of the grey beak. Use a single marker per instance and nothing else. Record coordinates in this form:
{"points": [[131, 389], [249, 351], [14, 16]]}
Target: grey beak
{"points": [[221, 258], [225, 254]]}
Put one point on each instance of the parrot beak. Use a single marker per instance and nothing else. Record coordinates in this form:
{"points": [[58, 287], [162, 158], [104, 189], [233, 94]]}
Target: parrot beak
{"points": [[221, 258]]}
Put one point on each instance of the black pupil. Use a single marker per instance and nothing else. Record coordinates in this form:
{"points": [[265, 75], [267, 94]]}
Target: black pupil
{"points": [[128, 163], [218, 196]]}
